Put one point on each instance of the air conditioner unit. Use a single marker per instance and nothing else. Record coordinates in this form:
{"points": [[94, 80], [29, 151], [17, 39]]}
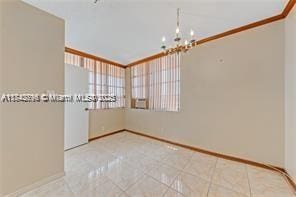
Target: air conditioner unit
{"points": [[141, 104]]}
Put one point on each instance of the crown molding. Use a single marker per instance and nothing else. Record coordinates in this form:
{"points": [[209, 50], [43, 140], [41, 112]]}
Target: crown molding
{"points": [[87, 55], [280, 16]]}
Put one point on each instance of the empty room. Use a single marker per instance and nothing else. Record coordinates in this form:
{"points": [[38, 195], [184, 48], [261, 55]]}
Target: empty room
{"points": [[148, 98]]}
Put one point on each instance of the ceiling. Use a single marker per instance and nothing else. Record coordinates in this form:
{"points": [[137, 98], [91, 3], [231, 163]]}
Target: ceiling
{"points": [[128, 30]]}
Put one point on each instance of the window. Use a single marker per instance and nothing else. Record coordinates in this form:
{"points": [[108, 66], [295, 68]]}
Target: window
{"points": [[104, 78], [139, 81], [158, 82]]}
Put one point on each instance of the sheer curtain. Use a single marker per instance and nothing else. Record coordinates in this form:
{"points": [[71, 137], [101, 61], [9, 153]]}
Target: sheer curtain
{"points": [[103, 78], [158, 81], [139, 82]]}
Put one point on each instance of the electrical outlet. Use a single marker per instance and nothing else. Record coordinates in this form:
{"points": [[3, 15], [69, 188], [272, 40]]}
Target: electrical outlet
{"points": [[103, 128]]}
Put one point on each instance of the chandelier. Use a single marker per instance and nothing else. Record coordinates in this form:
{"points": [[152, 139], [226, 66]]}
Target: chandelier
{"points": [[180, 46]]}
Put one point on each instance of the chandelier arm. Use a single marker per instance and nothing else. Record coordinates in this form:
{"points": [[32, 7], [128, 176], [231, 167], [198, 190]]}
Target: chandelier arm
{"points": [[179, 47]]}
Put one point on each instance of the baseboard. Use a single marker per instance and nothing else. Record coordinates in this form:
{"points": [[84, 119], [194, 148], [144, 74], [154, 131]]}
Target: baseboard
{"points": [[292, 183], [228, 157], [253, 163], [232, 158], [110, 133], [35, 185], [76, 146]]}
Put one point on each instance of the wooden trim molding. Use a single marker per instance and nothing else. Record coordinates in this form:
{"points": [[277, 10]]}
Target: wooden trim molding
{"points": [[292, 183], [253, 163], [280, 16], [219, 155], [86, 55], [105, 135], [240, 29], [147, 59], [288, 8], [35, 185]]}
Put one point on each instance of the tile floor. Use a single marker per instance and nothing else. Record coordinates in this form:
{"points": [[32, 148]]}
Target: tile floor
{"points": [[129, 165]]}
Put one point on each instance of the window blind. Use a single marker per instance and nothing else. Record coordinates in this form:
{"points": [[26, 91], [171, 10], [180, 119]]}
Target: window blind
{"points": [[158, 81], [104, 79]]}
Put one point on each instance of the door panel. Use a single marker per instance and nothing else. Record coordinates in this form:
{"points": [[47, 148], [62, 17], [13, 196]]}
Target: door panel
{"points": [[76, 118]]}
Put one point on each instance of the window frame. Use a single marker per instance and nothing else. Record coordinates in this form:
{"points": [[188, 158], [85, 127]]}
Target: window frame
{"points": [[97, 69], [160, 80]]}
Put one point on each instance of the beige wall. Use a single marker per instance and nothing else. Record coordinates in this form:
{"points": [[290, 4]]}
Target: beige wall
{"points": [[1, 82], [105, 121], [290, 77], [32, 135], [232, 98]]}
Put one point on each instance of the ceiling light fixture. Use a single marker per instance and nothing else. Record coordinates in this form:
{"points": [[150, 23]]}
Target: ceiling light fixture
{"points": [[179, 47]]}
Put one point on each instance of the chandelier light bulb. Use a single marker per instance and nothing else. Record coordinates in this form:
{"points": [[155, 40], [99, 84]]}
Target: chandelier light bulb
{"points": [[177, 30], [192, 33], [178, 45]]}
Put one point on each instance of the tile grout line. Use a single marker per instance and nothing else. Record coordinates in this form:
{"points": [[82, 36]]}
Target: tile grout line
{"points": [[165, 165], [232, 189], [113, 181], [179, 172], [226, 157], [168, 186], [108, 178], [141, 177], [267, 167], [69, 186], [137, 180], [249, 182], [190, 173], [210, 185], [171, 188]]}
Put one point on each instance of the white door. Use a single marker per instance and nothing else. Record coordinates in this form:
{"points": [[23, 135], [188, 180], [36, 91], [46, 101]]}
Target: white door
{"points": [[76, 117]]}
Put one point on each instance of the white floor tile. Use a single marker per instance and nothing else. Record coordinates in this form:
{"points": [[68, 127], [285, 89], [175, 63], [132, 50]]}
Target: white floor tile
{"points": [[201, 165], [190, 185], [218, 191], [126, 165], [164, 174], [147, 187], [232, 175], [267, 183]]}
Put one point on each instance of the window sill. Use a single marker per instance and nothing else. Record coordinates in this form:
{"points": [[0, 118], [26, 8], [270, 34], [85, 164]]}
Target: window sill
{"points": [[152, 110], [106, 109]]}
